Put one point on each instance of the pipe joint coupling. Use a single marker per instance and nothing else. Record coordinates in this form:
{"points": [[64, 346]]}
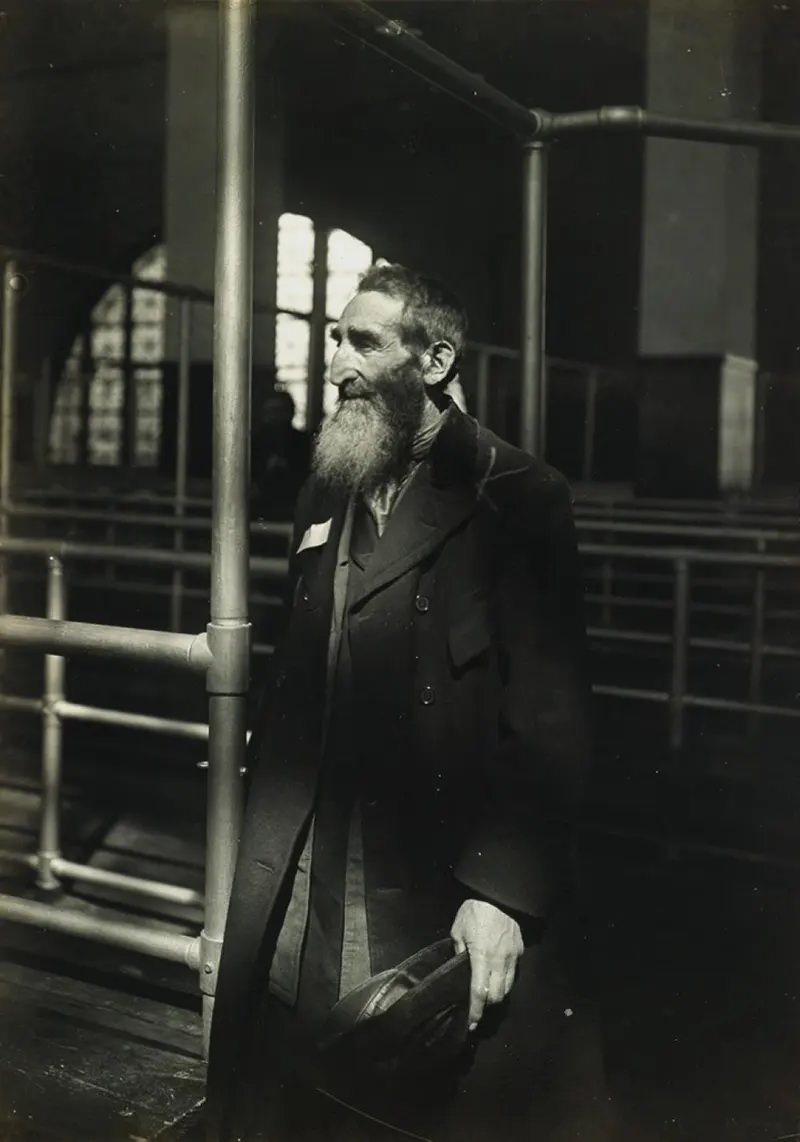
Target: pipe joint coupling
{"points": [[210, 955], [45, 873], [229, 670]]}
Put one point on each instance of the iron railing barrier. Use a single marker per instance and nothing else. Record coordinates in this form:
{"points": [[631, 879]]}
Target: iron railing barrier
{"points": [[57, 637], [613, 579]]}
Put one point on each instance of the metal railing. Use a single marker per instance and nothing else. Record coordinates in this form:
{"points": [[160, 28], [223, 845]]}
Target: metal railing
{"points": [[170, 647], [682, 562], [644, 532], [57, 636], [223, 652]]}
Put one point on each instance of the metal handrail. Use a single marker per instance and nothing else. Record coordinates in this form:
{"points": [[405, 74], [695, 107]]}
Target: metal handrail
{"points": [[145, 557], [284, 530], [178, 522], [693, 555]]}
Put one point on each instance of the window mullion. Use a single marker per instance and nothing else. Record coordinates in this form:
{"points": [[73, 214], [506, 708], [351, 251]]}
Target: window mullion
{"points": [[316, 348]]}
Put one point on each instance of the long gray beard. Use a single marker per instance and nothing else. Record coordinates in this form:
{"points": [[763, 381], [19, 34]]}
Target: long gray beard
{"points": [[366, 444]]}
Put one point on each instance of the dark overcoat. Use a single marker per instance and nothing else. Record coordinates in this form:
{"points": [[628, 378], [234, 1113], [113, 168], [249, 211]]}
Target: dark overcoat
{"points": [[471, 693]]}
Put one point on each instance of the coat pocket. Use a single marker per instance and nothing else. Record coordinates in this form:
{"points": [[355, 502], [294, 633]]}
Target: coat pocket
{"points": [[470, 635]]}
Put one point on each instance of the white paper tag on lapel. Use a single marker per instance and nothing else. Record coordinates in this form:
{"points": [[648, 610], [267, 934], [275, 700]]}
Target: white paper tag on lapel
{"points": [[315, 536]]}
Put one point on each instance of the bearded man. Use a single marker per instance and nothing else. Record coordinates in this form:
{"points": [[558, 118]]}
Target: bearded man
{"points": [[416, 772]]}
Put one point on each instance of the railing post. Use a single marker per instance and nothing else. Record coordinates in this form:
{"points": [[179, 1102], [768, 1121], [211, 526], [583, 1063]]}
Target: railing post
{"points": [[12, 290], [534, 241], [680, 653], [229, 630], [181, 452], [757, 640], [54, 670]]}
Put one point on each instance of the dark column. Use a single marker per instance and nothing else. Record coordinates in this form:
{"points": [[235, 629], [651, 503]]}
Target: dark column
{"points": [[697, 314]]}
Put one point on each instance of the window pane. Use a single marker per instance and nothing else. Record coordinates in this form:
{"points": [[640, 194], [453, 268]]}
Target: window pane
{"points": [[107, 342], [147, 343], [295, 262], [149, 307], [152, 265], [105, 415], [348, 258], [111, 306]]}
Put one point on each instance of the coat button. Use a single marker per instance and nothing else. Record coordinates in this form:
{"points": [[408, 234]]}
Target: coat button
{"points": [[423, 604], [427, 696]]}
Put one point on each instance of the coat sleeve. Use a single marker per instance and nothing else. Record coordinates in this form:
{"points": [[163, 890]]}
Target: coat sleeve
{"points": [[518, 853]]}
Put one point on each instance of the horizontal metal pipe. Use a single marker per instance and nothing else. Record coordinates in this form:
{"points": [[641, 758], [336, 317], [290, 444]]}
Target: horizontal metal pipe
{"points": [[631, 692], [146, 557], [628, 635], [76, 712], [54, 637], [64, 549], [638, 121], [140, 886], [734, 705], [137, 885], [655, 638], [113, 499], [178, 522], [24, 705], [688, 529], [150, 942], [392, 38], [723, 558], [595, 511]]}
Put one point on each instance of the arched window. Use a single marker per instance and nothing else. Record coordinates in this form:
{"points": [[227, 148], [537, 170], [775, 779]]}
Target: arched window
{"points": [[90, 420], [91, 391]]}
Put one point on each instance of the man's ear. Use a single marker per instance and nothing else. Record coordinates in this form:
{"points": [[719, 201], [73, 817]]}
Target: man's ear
{"points": [[438, 362]]}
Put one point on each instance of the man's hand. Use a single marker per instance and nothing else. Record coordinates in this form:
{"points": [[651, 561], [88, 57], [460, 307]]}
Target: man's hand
{"points": [[494, 943]]}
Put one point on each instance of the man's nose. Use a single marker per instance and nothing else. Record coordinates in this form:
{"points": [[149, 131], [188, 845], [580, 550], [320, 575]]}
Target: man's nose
{"points": [[341, 368]]}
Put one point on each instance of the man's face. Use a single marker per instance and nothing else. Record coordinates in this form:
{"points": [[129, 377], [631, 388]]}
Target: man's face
{"points": [[368, 439], [369, 342]]}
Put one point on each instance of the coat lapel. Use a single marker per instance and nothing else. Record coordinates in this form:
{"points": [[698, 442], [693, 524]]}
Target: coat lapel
{"points": [[441, 495]]}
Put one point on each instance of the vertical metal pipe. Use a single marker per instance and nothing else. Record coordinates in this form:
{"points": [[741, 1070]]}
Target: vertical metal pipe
{"points": [[181, 451], [534, 271], [54, 670], [12, 288], [315, 388], [482, 393], [680, 652], [228, 631], [757, 639], [589, 427]]}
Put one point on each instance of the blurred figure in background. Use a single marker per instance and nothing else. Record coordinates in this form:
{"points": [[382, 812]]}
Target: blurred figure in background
{"points": [[280, 458]]}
